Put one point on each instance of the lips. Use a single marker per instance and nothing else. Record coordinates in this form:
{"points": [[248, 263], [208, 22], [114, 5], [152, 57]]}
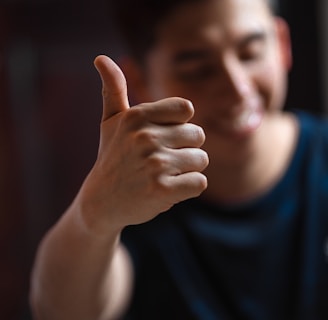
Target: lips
{"points": [[238, 120], [248, 119]]}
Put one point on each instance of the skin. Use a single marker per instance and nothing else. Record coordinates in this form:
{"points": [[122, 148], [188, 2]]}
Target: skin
{"points": [[232, 66]]}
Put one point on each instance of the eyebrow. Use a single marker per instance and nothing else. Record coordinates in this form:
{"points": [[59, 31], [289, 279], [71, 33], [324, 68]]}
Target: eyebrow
{"points": [[197, 54], [254, 36]]}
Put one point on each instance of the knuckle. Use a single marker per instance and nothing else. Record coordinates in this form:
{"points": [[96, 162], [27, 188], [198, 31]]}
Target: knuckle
{"points": [[205, 159], [202, 185], [162, 186], [159, 185], [157, 163], [134, 115], [199, 134], [199, 164], [195, 134], [146, 137], [182, 105], [186, 107], [200, 159]]}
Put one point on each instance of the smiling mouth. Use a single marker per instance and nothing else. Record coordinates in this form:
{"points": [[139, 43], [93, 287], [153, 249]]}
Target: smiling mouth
{"points": [[248, 119]]}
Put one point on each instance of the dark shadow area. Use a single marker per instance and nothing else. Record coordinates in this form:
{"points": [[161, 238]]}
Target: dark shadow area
{"points": [[50, 107]]}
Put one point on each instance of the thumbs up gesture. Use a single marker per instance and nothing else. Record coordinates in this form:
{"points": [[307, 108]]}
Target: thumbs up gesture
{"points": [[149, 156]]}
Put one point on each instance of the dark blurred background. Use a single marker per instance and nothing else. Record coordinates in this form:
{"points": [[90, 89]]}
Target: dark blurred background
{"points": [[50, 107]]}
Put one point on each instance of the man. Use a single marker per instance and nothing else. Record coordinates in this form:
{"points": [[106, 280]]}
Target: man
{"points": [[252, 245]]}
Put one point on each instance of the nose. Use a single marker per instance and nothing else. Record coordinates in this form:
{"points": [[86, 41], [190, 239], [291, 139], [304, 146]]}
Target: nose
{"points": [[234, 80]]}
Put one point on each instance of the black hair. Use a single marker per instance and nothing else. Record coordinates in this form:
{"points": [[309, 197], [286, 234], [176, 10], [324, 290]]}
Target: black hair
{"points": [[136, 21]]}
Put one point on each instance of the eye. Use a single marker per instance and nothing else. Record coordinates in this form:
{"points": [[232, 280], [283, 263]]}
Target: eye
{"points": [[194, 65], [196, 73], [253, 48], [252, 51]]}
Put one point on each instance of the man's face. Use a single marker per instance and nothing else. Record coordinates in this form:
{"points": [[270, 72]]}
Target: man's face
{"points": [[229, 57]]}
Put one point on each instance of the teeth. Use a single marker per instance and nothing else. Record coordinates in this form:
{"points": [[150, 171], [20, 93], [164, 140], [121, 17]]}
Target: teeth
{"points": [[247, 119], [254, 119], [242, 120]]}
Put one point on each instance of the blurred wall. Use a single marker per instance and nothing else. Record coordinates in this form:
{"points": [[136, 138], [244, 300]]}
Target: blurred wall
{"points": [[306, 77], [322, 18], [50, 107], [50, 111], [12, 219]]}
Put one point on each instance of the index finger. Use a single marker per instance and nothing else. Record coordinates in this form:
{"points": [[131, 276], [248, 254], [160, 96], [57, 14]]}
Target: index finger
{"points": [[171, 110]]}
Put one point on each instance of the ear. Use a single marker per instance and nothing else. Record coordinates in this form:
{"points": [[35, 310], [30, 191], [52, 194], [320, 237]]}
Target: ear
{"points": [[285, 46], [136, 79]]}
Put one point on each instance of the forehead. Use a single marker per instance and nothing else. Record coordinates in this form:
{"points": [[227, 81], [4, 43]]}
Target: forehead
{"points": [[222, 20]]}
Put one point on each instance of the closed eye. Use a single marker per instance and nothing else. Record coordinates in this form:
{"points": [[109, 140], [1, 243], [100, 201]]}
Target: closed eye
{"points": [[193, 65], [196, 73], [252, 47]]}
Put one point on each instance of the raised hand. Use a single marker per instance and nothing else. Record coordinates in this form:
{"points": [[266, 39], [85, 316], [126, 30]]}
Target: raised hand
{"points": [[149, 156]]}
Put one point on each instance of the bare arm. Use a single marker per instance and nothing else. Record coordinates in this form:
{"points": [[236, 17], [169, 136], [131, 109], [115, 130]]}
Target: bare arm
{"points": [[148, 160], [80, 275]]}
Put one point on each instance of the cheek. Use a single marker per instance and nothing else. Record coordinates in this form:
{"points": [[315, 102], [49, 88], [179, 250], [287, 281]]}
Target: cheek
{"points": [[168, 88], [271, 83], [161, 87]]}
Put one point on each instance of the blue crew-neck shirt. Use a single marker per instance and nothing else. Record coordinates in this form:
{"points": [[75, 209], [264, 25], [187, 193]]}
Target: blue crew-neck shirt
{"points": [[266, 259]]}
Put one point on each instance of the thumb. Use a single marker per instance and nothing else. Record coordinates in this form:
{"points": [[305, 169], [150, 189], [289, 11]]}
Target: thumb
{"points": [[114, 88]]}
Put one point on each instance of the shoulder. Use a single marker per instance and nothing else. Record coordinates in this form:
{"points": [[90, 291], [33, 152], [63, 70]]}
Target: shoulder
{"points": [[312, 123], [313, 151], [313, 131]]}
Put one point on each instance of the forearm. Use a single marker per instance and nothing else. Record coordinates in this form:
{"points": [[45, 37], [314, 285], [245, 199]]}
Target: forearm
{"points": [[78, 274], [149, 159]]}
